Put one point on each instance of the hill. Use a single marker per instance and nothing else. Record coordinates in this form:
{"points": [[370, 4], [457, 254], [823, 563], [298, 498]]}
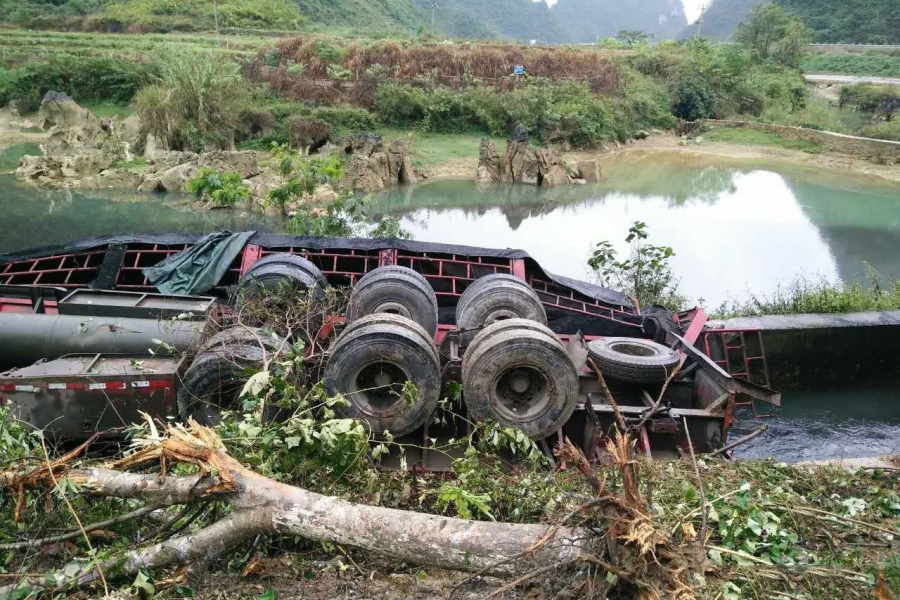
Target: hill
{"points": [[831, 21], [569, 21]]}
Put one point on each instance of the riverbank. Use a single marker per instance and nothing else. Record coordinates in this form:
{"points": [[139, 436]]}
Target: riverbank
{"points": [[460, 166]]}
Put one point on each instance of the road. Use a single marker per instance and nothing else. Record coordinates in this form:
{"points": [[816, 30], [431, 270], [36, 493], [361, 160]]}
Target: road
{"points": [[813, 78]]}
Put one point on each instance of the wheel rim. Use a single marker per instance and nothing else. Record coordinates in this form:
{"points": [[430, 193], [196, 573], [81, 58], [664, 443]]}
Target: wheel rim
{"points": [[521, 393], [632, 349], [500, 314], [377, 387], [393, 307]]}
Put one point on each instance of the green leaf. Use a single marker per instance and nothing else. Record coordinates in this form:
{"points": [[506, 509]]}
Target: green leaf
{"points": [[143, 583], [268, 595]]}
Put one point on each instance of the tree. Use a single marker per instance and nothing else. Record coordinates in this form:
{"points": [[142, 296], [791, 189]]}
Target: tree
{"points": [[772, 32], [633, 37]]}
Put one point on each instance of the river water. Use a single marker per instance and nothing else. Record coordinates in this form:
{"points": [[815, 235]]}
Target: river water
{"points": [[736, 228]]}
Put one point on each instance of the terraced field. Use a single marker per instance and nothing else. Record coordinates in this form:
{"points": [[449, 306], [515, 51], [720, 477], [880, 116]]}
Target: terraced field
{"points": [[18, 45]]}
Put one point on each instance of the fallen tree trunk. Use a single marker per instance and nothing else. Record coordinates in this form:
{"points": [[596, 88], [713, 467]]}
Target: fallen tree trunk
{"points": [[263, 506]]}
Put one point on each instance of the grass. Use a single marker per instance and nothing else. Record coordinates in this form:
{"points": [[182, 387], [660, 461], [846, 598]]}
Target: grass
{"points": [[804, 296], [19, 45], [136, 165], [871, 64], [433, 149], [740, 135]]}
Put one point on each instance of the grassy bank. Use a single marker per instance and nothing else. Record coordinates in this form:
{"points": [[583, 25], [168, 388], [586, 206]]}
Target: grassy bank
{"points": [[740, 135]]}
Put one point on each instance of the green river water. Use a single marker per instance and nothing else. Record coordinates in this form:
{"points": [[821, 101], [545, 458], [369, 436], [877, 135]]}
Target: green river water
{"points": [[735, 227]]}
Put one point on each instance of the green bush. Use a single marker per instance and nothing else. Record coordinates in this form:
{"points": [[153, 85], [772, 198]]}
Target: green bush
{"points": [[222, 189], [889, 130], [400, 104], [693, 99], [198, 103], [85, 79]]}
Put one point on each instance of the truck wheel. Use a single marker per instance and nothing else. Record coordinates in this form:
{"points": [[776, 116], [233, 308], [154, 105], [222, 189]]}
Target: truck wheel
{"points": [[396, 320], [213, 383], [633, 359], [495, 298], [254, 337], [395, 290], [370, 364], [517, 373], [281, 269]]}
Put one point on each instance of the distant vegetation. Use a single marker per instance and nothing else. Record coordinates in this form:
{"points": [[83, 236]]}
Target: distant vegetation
{"points": [[875, 63], [141, 16], [739, 135], [831, 21]]}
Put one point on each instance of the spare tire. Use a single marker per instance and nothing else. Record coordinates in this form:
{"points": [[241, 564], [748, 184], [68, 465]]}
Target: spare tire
{"points": [[395, 290], [633, 359], [495, 298], [280, 269], [214, 381], [517, 373], [371, 362]]}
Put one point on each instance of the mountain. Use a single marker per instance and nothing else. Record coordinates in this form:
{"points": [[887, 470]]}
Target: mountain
{"points": [[569, 21], [831, 21], [721, 19], [586, 20]]}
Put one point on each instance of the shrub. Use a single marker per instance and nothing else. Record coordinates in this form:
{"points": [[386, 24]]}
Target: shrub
{"points": [[400, 104], [197, 103], [693, 99], [222, 189], [85, 79], [308, 133], [197, 15]]}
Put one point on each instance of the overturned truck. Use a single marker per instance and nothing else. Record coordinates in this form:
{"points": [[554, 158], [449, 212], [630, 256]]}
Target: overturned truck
{"points": [[531, 350]]}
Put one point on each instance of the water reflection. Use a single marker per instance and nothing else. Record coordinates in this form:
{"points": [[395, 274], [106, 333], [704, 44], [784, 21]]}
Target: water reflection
{"points": [[734, 229], [33, 216]]}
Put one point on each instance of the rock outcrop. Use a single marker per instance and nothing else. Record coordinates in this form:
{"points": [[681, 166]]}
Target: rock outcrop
{"points": [[488, 162], [372, 167], [522, 163]]}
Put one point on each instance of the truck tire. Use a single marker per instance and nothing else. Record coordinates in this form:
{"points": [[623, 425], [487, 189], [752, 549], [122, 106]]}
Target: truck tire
{"points": [[370, 363], [280, 269], [395, 290], [214, 381], [495, 298], [243, 336], [398, 321], [517, 373], [633, 359]]}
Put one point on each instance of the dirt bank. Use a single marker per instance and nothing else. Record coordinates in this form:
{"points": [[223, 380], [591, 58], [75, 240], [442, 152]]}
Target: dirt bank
{"points": [[836, 165]]}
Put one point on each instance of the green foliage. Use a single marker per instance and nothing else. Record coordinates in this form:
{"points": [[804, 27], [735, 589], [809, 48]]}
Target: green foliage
{"points": [[85, 79], [16, 441], [463, 501], [196, 103], [883, 131], [771, 32], [302, 175], [645, 275], [805, 296], [198, 15], [853, 63], [554, 110], [222, 189], [633, 37], [880, 99]]}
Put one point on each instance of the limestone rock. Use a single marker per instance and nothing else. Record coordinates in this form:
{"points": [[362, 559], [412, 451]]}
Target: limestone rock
{"points": [[150, 184], [488, 162], [35, 168], [641, 135], [371, 167], [553, 171], [260, 185], [589, 170], [324, 194], [244, 163], [520, 163], [154, 147], [60, 111], [175, 179]]}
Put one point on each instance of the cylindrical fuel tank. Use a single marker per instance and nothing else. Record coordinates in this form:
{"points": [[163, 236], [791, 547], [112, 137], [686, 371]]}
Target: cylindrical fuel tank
{"points": [[26, 338]]}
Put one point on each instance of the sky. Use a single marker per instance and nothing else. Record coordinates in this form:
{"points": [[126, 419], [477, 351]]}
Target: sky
{"points": [[691, 7]]}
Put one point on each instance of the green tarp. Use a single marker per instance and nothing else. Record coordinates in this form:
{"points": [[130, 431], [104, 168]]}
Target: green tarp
{"points": [[198, 269]]}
